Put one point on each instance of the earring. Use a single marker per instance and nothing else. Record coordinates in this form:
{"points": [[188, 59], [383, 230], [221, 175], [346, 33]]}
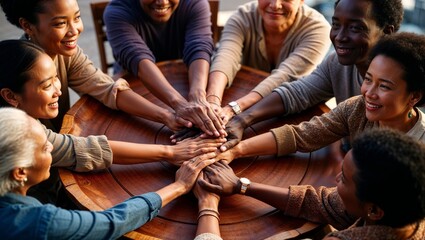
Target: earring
{"points": [[409, 114], [24, 181]]}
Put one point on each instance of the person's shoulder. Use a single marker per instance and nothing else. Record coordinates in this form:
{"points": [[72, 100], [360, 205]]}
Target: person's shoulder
{"points": [[311, 12]]}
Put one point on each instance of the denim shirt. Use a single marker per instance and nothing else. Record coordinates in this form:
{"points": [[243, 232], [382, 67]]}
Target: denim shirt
{"points": [[23, 217]]}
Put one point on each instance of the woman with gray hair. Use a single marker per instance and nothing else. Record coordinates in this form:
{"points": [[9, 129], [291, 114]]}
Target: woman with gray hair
{"points": [[25, 161], [28, 81]]}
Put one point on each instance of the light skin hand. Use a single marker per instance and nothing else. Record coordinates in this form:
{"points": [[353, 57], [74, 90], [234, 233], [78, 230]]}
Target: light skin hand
{"points": [[227, 156], [192, 147], [227, 114], [203, 117], [221, 179]]}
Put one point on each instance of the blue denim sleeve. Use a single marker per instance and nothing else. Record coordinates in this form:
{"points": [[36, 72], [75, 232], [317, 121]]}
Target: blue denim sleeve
{"points": [[109, 224]]}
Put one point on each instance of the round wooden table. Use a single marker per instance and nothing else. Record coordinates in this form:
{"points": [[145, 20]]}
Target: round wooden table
{"points": [[242, 217]]}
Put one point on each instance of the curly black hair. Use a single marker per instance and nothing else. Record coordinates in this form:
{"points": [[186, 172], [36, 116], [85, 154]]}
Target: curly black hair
{"points": [[391, 174], [386, 13], [27, 9], [408, 49]]}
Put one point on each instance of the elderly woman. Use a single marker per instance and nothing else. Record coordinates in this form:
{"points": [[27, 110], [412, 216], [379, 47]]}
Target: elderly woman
{"points": [[393, 87], [28, 81], [25, 161], [368, 202], [286, 38], [56, 25]]}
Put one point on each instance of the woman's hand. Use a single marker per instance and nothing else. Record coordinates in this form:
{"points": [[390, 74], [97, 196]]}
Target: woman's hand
{"points": [[227, 114], [227, 156], [175, 123], [189, 171], [203, 117], [205, 198], [192, 147], [234, 129], [221, 179]]}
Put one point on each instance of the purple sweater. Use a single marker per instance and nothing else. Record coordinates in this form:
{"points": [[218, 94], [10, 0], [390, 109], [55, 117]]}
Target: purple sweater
{"points": [[134, 36]]}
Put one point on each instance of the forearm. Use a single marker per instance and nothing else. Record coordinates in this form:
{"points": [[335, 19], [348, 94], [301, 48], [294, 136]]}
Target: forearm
{"points": [[130, 102], [248, 100], [216, 84], [263, 144], [156, 82], [268, 107], [198, 78], [133, 153], [171, 192], [208, 223], [274, 196]]}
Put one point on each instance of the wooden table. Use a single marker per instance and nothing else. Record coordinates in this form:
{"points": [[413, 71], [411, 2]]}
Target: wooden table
{"points": [[242, 217]]}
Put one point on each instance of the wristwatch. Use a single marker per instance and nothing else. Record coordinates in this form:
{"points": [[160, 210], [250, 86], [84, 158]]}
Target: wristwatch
{"points": [[235, 107], [244, 184]]}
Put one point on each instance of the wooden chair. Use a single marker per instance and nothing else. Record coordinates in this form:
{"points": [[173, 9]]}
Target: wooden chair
{"points": [[97, 9], [216, 30]]}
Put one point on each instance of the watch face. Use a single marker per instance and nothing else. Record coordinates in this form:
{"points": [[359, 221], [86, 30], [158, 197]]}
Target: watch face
{"points": [[232, 104], [245, 181]]}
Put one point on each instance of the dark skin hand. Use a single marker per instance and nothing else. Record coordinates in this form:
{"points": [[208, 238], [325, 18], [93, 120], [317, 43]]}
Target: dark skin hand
{"points": [[268, 107], [186, 133], [221, 179]]}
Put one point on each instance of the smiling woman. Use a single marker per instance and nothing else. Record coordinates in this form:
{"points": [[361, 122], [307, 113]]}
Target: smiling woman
{"points": [[390, 99], [28, 81], [25, 161], [56, 26]]}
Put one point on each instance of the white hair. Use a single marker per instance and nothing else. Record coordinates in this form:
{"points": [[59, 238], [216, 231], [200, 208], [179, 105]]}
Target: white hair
{"points": [[17, 146]]}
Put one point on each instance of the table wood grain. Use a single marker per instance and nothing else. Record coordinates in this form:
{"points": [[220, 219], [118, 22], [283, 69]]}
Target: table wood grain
{"points": [[242, 217]]}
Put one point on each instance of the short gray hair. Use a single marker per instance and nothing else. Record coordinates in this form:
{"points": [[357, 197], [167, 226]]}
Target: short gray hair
{"points": [[16, 146]]}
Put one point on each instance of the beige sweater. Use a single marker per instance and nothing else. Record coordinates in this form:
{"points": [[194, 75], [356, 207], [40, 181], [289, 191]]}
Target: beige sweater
{"points": [[78, 73]]}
